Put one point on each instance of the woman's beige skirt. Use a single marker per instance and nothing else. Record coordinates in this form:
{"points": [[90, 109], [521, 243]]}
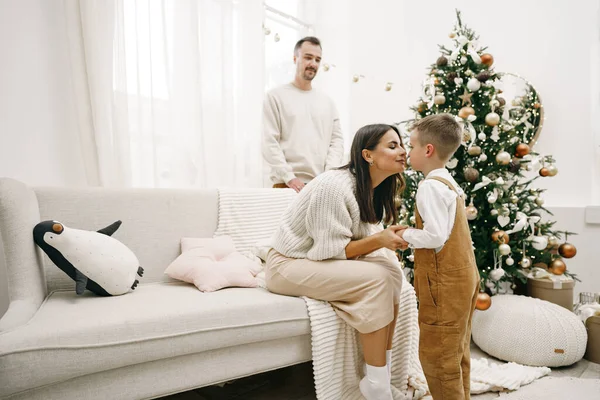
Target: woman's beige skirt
{"points": [[363, 292]]}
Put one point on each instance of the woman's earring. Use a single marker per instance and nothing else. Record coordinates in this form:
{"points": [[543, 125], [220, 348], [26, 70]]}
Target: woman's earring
{"points": [[371, 163]]}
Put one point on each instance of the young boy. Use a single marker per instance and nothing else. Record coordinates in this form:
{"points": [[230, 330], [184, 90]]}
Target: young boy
{"points": [[446, 276]]}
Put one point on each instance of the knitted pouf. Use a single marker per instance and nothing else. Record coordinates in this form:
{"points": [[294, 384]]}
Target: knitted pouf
{"points": [[529, 331]]}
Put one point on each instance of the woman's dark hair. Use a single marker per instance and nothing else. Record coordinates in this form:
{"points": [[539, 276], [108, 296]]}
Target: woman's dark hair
{"points": [[375, 205]]}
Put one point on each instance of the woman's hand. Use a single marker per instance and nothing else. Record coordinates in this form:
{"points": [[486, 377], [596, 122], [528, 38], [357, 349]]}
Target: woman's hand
{"points": [[391, 238]]}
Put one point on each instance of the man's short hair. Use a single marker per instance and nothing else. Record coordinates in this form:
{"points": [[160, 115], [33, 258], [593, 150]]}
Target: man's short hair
{"points": [[310, 39], [442, 131]]}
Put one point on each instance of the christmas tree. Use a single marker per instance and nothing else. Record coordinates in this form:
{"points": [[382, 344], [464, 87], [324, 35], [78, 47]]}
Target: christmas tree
{"points": [[495, 166]]}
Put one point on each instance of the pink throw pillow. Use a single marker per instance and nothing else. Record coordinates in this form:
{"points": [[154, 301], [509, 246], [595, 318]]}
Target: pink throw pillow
{"points": [[212, 264]]}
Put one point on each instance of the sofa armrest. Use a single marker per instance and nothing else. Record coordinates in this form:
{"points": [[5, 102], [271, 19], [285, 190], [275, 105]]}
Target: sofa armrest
{"points": [[19, 213]]}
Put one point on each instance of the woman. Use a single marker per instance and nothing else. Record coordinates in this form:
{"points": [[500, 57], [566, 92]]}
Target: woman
{"points": [[320, 248]]}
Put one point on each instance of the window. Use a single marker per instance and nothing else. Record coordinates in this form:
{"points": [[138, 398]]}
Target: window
{"points": [[282, 29]]}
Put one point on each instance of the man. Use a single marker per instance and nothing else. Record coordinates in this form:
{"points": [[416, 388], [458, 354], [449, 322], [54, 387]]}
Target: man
{"points": [[302, 136]]}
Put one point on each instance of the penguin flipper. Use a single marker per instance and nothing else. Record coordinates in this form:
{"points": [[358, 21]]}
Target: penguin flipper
{"points": [[112, 228], [80, 281]]}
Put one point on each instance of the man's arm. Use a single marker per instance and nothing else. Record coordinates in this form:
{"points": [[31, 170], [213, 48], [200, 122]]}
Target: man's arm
{"points": [[335, 153], [271, 149]]}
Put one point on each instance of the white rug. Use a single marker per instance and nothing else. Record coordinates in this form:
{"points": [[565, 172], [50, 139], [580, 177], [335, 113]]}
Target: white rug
{"points": [[552, 388]]}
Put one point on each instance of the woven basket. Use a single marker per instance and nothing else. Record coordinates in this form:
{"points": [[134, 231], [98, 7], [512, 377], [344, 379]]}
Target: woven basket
{"points": [[529, 331]]}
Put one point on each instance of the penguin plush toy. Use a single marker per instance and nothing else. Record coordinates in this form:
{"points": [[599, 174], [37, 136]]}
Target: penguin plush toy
{"points": [[94, 260]]}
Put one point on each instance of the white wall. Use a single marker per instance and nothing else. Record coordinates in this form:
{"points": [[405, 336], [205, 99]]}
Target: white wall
{"points": [[548, 43], [552, 44], [38, 127]]}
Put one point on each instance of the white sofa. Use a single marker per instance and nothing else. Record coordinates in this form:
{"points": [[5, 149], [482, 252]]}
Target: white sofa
{"points": [[163, 338]]}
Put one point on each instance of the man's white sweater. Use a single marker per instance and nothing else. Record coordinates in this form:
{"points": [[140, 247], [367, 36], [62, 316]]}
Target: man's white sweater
{"points": [[302, 137], [323, 219]]}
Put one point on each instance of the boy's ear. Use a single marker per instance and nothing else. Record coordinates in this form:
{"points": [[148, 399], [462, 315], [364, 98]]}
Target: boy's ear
{"points": [[429, 150]]}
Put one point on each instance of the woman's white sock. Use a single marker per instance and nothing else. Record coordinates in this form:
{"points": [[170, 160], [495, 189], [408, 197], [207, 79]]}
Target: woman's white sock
{"points": [[376, 384]]}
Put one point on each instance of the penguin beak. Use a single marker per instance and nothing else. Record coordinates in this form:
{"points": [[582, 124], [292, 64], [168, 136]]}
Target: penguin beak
{"points": [[57, 228]]}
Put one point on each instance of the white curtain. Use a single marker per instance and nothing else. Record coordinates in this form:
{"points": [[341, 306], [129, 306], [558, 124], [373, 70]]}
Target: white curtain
{"points": [[173, 90]]}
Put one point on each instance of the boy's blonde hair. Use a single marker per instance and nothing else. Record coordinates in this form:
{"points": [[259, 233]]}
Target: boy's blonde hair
{"points": [[442, 131]]}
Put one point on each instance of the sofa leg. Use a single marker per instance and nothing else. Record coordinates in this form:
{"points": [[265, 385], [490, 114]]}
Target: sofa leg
{"points": [[135, 283], [140, 271]]}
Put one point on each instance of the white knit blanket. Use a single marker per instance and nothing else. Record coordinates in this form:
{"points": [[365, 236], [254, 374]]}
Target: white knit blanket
{"points": [[250, 216], [338, 361], [491, 377]]}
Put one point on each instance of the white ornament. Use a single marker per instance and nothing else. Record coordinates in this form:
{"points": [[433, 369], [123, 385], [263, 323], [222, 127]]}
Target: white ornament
{"points": [[439, 99], [411, 258], [452, 163], [503, 220], [494, 103], [500, 181], [494, 212], [539, 201], [503, 158], [458, 81], [492, 198], [509, 261], [482, 157], [471, 118], [473, 84], [481, 136], [490, 284], [497, 274], [463, 60], [504, 249], [539, 242]]}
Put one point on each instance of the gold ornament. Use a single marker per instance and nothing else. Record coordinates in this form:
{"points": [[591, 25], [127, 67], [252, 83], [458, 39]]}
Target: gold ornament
{"points": [[484, 301], [474, 150], [522, 150], [442, 61], [465, 112], [466, 98], [492, 119], [500, 237], [397, 202], [553, 242], [439, 99], [557, 266], [471, 212], [355, 78], [539, 201], [487, 59], [503, 158], [526, 262], [544, 172], [552, 170], [326, 67], [388, 86], [514, 199], [567, 250], [471, 174], [452, 35]]}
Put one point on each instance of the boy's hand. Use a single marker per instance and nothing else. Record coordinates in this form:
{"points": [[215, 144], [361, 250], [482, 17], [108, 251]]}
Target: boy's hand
{"points": [[391, 239]]}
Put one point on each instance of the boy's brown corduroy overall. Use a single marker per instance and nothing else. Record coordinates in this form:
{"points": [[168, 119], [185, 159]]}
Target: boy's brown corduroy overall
{"points": [[447, 284]]}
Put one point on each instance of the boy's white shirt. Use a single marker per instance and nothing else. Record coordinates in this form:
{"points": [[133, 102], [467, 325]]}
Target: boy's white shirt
{"points": [[437, 207]]}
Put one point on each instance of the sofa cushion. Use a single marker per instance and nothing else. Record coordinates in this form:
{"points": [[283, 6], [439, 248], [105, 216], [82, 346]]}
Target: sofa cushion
{"points": [[74, 335]]}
